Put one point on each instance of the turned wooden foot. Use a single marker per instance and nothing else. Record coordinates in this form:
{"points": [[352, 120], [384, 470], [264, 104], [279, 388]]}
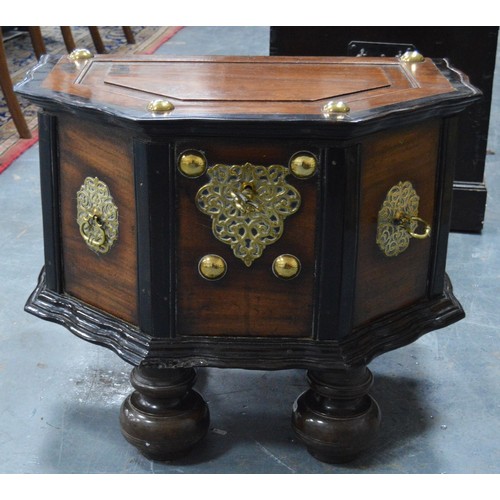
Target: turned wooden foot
{"points": [[336, 419], [164, 418]]}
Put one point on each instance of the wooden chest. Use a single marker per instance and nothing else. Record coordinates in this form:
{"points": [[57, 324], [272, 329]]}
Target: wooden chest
{"points": [[259, 212]]}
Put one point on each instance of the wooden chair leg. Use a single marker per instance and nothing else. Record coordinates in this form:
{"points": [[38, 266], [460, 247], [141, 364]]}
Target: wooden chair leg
{"points": [[129, 35], [68, 38], [37, 41], [96, 38], [10, 97]]}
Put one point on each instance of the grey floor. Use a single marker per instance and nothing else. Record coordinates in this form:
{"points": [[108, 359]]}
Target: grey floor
{"points": [[60, 396]]}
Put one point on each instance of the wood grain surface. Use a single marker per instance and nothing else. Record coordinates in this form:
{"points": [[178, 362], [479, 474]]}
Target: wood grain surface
{"points": [[106, 281], [385, 284], [268, 86]]}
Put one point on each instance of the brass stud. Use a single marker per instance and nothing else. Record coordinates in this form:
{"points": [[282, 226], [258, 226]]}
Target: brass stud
{"points": [[286, 266], [160, 106], [336, 108], [79, 54], [192, 164], [303, 165], [212, 267], [412, 56]]}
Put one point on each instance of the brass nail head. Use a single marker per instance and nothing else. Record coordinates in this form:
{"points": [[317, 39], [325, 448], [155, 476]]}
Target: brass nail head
{"points": [[286, 266], [303, 165], [212, 267], [192, 164], [80, 54], [160, 106], [336, 108], [412, 56]]}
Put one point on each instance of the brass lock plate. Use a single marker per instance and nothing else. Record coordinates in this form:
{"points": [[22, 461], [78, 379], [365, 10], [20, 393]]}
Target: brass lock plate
{"points": [[248, 205], [97, 215], [398, 220]]}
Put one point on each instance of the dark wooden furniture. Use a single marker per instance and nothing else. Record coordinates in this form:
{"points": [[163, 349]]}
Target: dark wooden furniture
{"points": [[470, 48], [260, 213]]}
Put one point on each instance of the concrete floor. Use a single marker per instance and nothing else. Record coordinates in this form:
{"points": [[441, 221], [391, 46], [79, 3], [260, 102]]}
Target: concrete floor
{"points": [[60, 396]]}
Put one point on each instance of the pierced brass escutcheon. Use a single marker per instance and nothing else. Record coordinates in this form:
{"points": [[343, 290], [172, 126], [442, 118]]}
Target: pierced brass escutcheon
{"points": [[248, 205], [97, 215], [398, 220]]}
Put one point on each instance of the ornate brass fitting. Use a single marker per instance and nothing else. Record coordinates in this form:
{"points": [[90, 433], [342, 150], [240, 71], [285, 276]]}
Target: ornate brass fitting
{"points": [[412, 56], [212, 267], [160, 106], [97, 215], [398, 220], [80, 54], [192, 164], [336, 109], [303, 165], [286, 266], [248, 205]]}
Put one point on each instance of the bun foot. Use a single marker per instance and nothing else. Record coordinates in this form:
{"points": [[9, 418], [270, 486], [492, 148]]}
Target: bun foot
{"points": [[164, 418], [336, 419]]}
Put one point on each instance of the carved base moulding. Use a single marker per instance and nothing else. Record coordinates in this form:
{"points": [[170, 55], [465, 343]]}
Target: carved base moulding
{"points": [[295, 220]]}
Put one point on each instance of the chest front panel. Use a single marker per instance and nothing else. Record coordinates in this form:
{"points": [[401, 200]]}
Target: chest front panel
{"points": [[249, 209]]}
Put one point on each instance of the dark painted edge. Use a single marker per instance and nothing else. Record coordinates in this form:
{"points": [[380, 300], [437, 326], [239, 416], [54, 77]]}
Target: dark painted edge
{"points": [[445, 173], [316, 125], [49, 186], [154, 235], [87, 322], [338, 242], [390, 332]]}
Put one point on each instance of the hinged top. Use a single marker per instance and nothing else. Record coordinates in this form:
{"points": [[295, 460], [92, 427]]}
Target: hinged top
{"points": [[248, 88]]}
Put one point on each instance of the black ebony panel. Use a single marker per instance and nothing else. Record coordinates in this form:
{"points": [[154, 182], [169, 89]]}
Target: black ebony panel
{"points": [[49, 185], [447, 157], [154, 199], [337, 258]]}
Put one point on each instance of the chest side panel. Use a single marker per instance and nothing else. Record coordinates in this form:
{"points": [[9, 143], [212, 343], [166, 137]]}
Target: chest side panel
{"points": [[385, 284], [106, 281], [248, 300]]}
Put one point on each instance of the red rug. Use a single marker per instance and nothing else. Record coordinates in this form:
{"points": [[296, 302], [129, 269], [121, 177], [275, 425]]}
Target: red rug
{"points": [[21, 58]]}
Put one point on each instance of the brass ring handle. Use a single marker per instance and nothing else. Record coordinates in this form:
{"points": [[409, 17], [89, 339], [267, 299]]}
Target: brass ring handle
{"points": [[405, 221], [92, 231]]}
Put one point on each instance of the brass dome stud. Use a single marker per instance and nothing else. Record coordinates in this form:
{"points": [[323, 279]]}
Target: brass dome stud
{"points": [[412, 56], [80, 54], [212, 267], [339, 108], [303, 165], [286, 266], [192, 164], [160, 106]]}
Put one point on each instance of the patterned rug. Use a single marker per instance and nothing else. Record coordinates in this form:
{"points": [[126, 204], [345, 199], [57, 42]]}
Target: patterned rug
{"points": [[21, 58]]}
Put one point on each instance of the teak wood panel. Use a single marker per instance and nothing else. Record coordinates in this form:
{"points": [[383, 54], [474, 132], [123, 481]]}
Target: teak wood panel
{"points": [[269, 86], [247, 301], [108, 281], [223, 81], [385, 284]]}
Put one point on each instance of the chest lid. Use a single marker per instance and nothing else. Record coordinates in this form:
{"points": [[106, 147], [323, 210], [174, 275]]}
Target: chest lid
{"points": [[248, 88]]}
